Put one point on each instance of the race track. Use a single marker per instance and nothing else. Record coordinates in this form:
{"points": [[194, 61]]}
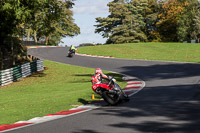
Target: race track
{"points": [[169, 103]]}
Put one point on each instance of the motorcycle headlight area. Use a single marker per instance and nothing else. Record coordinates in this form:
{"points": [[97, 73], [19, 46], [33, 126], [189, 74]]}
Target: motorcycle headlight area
{"points": [[116, 86], [114, 80]]}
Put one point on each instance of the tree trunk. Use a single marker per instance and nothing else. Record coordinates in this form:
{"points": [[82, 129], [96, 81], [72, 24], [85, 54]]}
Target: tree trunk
{"points": [[12, 52], [35, 37], [28, 34], [46, 40], [1, 58]]}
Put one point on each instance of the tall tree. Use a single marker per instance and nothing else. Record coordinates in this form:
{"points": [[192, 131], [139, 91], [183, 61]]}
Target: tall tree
{"points": [[13, 14], [197, 24], [44, 17], [51, 17], [60, 24], [186, 21], [125, 22], [151, 18], [106, 25], [168, 18]]}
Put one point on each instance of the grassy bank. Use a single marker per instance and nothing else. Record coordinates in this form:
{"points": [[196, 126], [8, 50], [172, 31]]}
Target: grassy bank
{"points": [[58, 88], [181, 52]]}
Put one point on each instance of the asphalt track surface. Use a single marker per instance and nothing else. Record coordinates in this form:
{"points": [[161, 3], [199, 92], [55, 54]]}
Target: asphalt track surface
{"points": [[169, 103]]}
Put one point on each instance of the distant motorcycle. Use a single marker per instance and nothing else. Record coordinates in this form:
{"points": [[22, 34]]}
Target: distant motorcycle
{"points": [[71, 53], [110, 91]]}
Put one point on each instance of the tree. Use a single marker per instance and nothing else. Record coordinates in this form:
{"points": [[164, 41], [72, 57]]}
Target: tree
{"points": [[197, 24], [168, 18], [186, 21], [52, 19], [151, 18], [60, 24], [13, 15], [106, 25], [125, 22]]}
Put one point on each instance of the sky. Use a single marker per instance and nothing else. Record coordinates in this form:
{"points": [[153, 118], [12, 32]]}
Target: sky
{"points": [[85, 12]]}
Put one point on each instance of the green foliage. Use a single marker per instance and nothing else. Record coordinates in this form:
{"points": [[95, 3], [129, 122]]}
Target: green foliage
{"points": [[12, 14], [44, 20], [52, 21], [197, 24], [187, 25], [86, 44], [183, 27], [149, 20], [50, 17], [125, 22]]}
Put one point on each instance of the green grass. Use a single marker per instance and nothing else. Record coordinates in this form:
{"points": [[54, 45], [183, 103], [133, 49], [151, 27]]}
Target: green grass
{"points": [[180, 52], [56, 89]]}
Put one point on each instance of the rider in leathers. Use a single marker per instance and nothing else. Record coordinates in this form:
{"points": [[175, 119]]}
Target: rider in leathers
{"points": [[72, 48], [98, 76], [97, 79]]}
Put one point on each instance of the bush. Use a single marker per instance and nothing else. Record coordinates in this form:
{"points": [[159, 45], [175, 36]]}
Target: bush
{"points": [[86, 44], [136, 41]]}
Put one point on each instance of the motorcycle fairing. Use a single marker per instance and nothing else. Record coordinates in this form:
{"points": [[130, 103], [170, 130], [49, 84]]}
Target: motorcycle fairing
{"points": [[95, 86]]}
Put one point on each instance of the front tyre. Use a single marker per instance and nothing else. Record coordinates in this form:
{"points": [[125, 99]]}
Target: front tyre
{"points": [[111, 99], [124, 96]]}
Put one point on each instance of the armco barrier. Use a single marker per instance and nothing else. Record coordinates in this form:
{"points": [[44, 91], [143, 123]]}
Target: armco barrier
{"points": [[13, 74]]}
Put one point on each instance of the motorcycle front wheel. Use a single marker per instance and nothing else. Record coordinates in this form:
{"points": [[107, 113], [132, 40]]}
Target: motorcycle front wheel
{"points": [[111, 99], [124, 96]]}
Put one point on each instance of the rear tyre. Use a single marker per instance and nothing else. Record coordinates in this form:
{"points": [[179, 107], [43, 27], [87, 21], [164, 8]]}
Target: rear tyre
{"points": [[70, 55], [111, 99]]}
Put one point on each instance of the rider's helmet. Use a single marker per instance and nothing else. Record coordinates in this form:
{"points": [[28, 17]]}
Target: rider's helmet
{"points": [[98, 70]]}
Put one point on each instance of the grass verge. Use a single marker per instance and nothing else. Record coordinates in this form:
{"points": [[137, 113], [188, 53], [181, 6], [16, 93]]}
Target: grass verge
{"points": [[180, 52], [56, 89]]}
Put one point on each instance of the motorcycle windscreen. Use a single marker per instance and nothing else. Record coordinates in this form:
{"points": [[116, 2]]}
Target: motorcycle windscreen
{"points": [[116, 86]]}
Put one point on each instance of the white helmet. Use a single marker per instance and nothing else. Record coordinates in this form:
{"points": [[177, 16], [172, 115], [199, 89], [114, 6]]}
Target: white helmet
{"points": [[98, 70]]}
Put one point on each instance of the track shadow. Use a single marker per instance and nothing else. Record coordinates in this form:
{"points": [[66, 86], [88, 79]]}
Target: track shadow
{"points": [[83, 101], [161, 108], [86, 131], [39, 74], [163, 71]]}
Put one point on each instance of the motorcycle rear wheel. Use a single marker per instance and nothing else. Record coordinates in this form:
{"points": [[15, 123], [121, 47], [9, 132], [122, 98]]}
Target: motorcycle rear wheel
{"points": [[111, 99], [70, 55]]}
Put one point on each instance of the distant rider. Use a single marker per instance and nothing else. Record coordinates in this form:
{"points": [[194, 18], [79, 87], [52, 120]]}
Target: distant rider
{"points": [[72, 48]]}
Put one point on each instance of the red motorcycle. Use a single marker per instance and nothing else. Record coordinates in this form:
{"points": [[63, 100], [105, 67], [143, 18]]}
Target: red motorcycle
{"points": [[110, 90]]}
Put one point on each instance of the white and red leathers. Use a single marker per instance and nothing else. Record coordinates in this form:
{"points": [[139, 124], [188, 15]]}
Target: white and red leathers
{"points": [[97, 78]]}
